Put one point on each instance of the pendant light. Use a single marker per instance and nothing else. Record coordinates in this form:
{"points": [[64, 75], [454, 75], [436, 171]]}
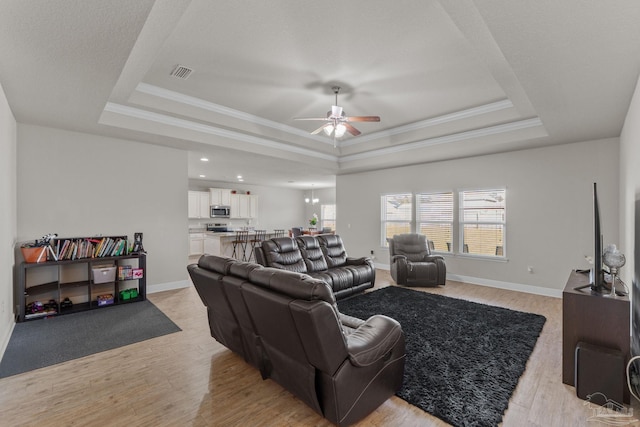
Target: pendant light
{"points": [[311, 200]]}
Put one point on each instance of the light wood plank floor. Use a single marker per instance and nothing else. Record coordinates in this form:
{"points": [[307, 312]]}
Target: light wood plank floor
{"points": [[188, 379]]}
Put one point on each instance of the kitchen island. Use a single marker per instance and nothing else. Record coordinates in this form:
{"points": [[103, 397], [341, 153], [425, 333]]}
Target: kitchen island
{"points": [[221, 243]]}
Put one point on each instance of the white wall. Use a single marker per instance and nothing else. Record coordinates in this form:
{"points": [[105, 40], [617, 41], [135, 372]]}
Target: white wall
{"points": [[549, 209], [77, 184], [629, 183], [8, 222]]}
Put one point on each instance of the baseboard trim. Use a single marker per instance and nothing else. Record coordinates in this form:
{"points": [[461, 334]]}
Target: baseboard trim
{"points": [[519, 287], [168, 286], [5, 340]]}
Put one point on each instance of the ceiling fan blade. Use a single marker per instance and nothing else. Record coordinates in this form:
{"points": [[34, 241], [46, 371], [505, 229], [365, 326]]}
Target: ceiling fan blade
{"points": [[353, 131], [362, 119], [317, 131], [324, 119]]}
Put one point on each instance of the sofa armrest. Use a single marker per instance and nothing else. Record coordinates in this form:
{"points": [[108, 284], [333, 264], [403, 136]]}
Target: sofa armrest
{"points": [[373, 340], [358, 261], [350, 322], [399, 269], [259, 254], [398, 258]]}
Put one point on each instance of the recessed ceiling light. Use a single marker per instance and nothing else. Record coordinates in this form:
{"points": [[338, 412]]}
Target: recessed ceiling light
{"points": [[204, 159], [203, 176], [239, 177]]}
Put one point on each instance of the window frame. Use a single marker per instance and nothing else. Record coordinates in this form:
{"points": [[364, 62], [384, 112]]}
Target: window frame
{"points": [[450, 222], [324, 219], [383, 217], [461, 222]]}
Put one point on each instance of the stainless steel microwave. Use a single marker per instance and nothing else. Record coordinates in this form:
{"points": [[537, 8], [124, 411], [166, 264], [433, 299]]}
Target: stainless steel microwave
{"points": [[218, 211]]}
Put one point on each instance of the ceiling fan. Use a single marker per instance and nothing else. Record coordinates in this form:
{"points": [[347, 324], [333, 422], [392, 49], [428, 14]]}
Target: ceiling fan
{"points": [[338, 122]]}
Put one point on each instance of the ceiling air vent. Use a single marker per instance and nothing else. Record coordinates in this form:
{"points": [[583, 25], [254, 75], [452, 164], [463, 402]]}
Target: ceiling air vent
{"points": [[181, 72]]}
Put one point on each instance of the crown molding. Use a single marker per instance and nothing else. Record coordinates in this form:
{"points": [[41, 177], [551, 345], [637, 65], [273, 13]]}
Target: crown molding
{"points": [[477, 133], [434, 121], [225, 111], [211, 130]]}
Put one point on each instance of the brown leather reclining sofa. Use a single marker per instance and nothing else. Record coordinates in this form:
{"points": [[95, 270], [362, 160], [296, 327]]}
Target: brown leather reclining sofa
{"points": [[288, 326], [322, 256]]}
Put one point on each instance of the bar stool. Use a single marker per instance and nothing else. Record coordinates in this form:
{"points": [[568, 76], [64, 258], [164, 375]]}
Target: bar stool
{"points": [[256, 241], [240, 245], [278, 233]]}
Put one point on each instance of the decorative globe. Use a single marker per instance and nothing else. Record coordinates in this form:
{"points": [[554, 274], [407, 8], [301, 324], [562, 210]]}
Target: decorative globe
{"points": [[613, 258]]}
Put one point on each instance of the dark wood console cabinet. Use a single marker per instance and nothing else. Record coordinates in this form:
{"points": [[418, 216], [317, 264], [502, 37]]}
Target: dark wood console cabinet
{"points": [[593, 318]]}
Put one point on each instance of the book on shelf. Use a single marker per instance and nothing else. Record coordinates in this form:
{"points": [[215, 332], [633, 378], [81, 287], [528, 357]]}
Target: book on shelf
{"points": [[90, 247], [125, 272]]}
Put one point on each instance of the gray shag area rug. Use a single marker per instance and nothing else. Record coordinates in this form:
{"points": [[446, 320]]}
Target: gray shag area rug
{"points": [[44, 342], [464, 359]]}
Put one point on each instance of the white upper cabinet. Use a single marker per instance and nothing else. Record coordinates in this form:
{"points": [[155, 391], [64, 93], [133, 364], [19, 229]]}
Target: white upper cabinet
{"points": [[220, 196], [199, 204], [244, 206], [253, 206]]}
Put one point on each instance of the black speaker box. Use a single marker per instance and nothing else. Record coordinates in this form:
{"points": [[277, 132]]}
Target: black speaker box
{"points": [[599, 370]]}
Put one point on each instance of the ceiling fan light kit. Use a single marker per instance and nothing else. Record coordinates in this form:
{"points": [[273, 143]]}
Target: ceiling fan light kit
{"points": [[338, 121], [339, 129]]}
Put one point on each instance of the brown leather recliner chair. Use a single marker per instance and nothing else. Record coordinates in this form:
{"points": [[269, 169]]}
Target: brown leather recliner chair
{"points": [[412, 263]]}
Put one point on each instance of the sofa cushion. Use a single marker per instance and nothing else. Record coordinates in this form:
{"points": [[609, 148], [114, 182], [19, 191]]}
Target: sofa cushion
{"points": [[341, 277], [312, 253], [217, 264], [242, 269], [333, 249], [283, 253], [294, 285], [362, 273], [413, 246]]}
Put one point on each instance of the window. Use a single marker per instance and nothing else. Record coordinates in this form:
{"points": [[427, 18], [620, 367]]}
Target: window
{"points": [[434, 219], [483, 222], [328, 216], [396, 215]]}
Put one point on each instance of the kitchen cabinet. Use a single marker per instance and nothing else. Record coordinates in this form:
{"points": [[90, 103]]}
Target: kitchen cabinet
{"points": [[235, 206], [196, 243], [199, 204], [211, 245], [253, 206], [244, 206], [220, 196]]}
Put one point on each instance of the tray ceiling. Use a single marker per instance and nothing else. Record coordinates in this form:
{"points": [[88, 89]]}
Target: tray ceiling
{"points": [[449, 79]]}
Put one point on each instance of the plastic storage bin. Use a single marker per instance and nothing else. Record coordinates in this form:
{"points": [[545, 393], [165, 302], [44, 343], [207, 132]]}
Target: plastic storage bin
{"points": [[104, 274]]}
